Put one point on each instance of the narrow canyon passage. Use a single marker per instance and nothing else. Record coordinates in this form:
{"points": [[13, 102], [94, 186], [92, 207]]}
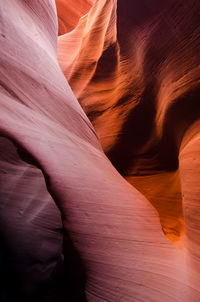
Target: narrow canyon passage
{"points": [[99, 150]]}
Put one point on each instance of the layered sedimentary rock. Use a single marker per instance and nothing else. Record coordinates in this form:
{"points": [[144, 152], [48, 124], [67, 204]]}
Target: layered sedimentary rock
{"points": [[134, 70], [139, 86]]}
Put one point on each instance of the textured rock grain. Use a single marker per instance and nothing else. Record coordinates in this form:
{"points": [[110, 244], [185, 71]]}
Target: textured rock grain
{"points": [[135, 73]]}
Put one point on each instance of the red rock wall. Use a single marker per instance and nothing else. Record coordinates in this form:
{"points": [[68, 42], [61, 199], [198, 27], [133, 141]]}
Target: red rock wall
{"points": [[134, 69], [69, 13], [139, 85]]}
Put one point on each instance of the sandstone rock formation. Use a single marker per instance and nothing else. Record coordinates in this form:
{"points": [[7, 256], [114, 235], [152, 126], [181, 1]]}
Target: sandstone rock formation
{"points": [[69, 13], [139, 86], [134, 68]]}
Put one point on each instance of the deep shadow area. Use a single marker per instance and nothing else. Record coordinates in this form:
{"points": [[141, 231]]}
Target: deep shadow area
{"points": [[163, 155], [18, 240], [66, 284], [69, 280], [180, 115], [135, 132]]}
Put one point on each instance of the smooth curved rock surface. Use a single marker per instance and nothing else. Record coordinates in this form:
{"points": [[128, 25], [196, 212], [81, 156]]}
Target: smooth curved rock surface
{"points": [[123, 81], [139, 86], [30, 224], [69, 13]]}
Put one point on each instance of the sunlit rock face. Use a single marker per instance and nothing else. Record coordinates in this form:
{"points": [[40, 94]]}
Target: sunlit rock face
{"points": [[69, 13], [134, 68]]}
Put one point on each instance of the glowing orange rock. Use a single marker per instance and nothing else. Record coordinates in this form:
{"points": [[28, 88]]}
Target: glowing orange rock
{"points": [[133, 68], [136, 95], [69, 13]]}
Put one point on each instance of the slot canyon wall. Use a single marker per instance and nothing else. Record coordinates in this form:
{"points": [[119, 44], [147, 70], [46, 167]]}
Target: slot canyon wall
{"points": [[100, 141]]}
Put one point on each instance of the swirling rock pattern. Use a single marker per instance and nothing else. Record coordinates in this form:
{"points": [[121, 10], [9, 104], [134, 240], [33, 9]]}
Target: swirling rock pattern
{"points": [[134, 68], [139, 86]]}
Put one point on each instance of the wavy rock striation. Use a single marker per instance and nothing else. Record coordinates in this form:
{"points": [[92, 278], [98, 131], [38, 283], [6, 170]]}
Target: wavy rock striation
{"points": [[134, 69], [139, 86]]}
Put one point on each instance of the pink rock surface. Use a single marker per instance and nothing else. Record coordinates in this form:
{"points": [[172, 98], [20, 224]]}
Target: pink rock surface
{"points": [[114, 227]]}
